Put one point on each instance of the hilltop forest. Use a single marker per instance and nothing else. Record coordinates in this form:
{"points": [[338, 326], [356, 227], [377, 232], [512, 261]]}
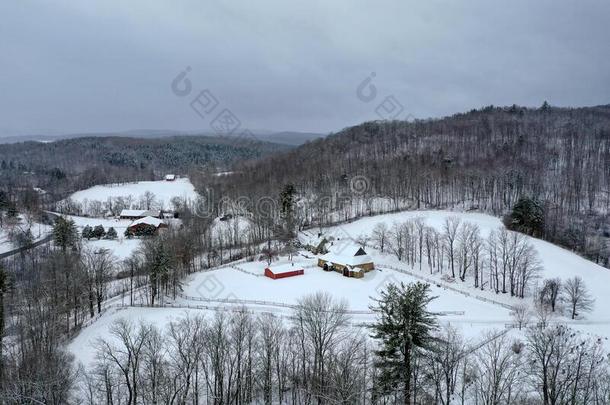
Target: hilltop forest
{"points": [[546, 170]]}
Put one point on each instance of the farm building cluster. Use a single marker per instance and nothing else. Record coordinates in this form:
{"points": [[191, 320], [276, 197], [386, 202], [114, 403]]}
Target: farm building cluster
{"points": [[351, 261], [145, 222], [348, 258], [146, 226]]}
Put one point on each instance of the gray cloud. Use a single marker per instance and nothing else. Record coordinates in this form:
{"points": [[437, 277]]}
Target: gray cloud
{"points": [[69, 66]]}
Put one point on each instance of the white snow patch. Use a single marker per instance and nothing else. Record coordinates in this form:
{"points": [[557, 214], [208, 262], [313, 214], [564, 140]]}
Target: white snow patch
{"points": [[163, 190], [121, 248]]}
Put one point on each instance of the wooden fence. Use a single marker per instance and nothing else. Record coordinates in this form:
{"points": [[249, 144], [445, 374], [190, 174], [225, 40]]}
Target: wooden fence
{"points": [[445, 285]]}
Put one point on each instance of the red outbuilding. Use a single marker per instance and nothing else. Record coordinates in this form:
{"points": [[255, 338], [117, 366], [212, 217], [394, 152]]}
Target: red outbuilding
{"points": [[283, 271]]}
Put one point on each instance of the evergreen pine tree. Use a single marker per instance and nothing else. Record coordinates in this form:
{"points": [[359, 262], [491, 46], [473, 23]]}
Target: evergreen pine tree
{"points": [[64, 233], [404, 328], [287, 201], [98, 232], [87, 232], [527, 216], [145, 231], [111, 234], [24, 239]]}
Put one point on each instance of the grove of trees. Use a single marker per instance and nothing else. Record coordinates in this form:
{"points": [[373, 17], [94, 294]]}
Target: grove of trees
{"points": [[319, 356], [504, 261]]}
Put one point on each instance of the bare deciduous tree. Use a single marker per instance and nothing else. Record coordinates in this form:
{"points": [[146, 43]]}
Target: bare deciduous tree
{"points": [[380, 235], [319, 322], [498, 372], [450, 228], [577, 296], [124, 353], [550, 292], [99, 266], [521, 314], [542, 313]]}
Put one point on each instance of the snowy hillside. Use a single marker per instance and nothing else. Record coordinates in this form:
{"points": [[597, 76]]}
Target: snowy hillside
{"points": [[470, 310], [244, 284], [555, 261], [133, 195]]}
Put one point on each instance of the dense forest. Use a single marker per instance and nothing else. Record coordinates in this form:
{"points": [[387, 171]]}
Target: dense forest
{"points": [[550, 164], [65, 166]]}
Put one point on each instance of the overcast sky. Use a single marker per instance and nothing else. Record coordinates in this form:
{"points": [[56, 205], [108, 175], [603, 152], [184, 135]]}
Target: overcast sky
{"points": [[108, 65]]}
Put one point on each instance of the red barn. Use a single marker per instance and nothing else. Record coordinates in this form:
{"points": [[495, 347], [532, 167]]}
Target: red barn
{"points": [[283, 271], [146, 226]]}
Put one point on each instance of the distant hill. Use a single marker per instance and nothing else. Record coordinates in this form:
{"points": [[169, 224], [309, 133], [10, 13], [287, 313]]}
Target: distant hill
{"points": [[77, 163], [285, 137], [290, 137], [138, 133]]}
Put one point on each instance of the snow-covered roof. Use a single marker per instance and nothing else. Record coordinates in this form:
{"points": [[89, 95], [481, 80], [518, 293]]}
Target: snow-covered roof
{"points": [[279, 268], [148, 221], [346, 259], [139, 213]]}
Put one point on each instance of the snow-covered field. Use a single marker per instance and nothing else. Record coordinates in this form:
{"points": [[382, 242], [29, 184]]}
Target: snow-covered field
{"points": [[132, 195], [121, 248], [83, 346], [245, 284], [249, 284], [556, 262], [22, 224], [163, 192], [261, 294]]}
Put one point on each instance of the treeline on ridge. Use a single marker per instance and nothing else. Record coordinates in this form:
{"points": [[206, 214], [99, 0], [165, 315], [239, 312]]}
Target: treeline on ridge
{"points": [[554, 161], [68, 165]]}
